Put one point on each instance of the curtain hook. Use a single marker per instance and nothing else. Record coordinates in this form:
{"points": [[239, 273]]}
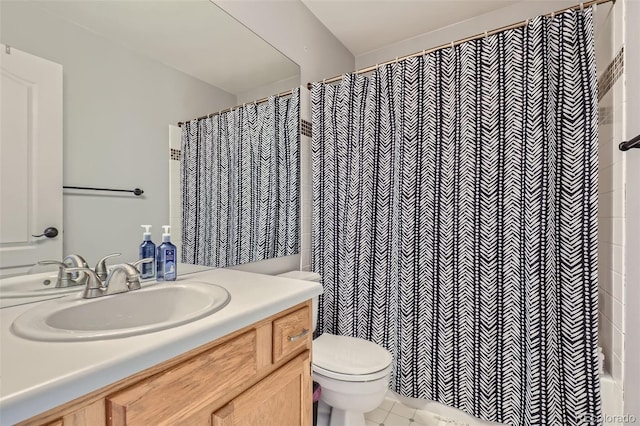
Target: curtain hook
{"points": [[553, 14], [424, 52], [486, 33], [452, 44], [396, 59], [581, 6]]}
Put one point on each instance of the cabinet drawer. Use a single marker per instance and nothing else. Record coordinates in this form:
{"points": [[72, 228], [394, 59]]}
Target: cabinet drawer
{"points": [[291, 333], [170, 396]]}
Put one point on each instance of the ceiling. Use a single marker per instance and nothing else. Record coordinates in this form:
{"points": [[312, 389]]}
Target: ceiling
{"points": [[193, 36], [366, 25]]}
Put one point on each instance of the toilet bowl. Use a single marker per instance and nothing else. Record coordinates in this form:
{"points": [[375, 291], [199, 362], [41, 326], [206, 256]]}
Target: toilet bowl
{"points": [[353, 373]]}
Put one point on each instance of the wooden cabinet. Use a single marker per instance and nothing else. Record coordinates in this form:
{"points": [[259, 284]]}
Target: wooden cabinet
{"points": [[278, 400], [181, 390], [260, 375]]}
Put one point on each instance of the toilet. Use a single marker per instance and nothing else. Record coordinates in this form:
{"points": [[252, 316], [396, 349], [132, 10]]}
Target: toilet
{"points": [[353, 373]]}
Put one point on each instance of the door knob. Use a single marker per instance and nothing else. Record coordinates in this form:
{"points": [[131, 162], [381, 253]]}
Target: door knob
{"points": [[50, 232]]}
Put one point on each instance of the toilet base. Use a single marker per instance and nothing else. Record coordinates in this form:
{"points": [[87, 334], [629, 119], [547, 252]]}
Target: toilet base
{"points": [[346, 418], [350, 400]]}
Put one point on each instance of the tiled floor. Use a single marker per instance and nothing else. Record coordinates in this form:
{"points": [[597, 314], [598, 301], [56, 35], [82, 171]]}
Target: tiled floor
{"points": [[393, 413], [389, 413]]}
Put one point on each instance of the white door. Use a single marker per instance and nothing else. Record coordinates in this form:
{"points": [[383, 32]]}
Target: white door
{"points": [[30, 160]]}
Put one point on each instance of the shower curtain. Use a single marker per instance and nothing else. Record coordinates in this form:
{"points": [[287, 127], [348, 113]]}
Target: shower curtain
{"points": [[454, 220], [240, 184]]}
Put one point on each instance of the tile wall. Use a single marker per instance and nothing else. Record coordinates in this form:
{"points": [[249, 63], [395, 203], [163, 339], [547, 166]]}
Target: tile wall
{"points": [[175, 192], [632, 208], [611, 199]]}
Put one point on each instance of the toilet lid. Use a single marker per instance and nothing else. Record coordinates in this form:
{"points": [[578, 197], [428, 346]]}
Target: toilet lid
{"points": [[349, 355]]}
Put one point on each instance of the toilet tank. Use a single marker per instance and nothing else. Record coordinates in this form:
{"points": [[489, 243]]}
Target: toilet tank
{"points": [[307, 276]]}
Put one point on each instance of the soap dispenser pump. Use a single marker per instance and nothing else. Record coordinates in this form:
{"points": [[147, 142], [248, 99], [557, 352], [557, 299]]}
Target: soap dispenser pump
{"points": [[166, 258], [147, 249]]}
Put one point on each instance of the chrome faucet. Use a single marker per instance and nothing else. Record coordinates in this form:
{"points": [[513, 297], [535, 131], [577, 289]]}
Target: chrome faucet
{"points": [[76, 261], [65, 277], [122, 278]]}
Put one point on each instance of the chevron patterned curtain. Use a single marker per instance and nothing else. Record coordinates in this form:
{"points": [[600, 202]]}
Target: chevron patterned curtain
{"points": [[454, 220], [240, 184]]}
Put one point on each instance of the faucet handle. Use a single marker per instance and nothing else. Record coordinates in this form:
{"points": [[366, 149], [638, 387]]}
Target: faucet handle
{"points": [[52, 262], [65, 278], [133, 280], [94, 287], [140, 262], [101, 266], [132, 277]]}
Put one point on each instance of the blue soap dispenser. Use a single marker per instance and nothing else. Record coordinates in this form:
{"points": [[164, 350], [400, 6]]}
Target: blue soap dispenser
{"points": [[166, 261], [147, 249]]}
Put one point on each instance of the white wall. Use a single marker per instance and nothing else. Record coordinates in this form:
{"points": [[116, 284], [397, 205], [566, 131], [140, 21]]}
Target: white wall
{"points": [[632, 233], [292, 29], [268, 90], [117, 108], [486, 22]]}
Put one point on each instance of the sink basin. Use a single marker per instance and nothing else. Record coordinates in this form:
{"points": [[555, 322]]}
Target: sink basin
{"points": [[156, 307]]}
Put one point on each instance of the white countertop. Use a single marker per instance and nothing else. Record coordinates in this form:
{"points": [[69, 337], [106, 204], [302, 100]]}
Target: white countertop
{"points": [[38, 376]]}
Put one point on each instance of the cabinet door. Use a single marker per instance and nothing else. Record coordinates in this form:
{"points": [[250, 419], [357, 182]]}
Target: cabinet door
{"points": [[281, 399], [178, 395]]}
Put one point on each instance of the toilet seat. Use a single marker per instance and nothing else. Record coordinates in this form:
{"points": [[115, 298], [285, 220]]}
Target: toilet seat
{"points": [[350, 359], [351, 377]]}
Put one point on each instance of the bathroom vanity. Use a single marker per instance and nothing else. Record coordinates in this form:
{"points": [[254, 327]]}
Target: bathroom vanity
{"points": [[248, 363]]}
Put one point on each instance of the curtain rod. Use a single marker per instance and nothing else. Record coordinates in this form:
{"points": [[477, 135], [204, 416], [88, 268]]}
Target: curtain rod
{"points": [[632, 143], [463, 40], [259, 101]]}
